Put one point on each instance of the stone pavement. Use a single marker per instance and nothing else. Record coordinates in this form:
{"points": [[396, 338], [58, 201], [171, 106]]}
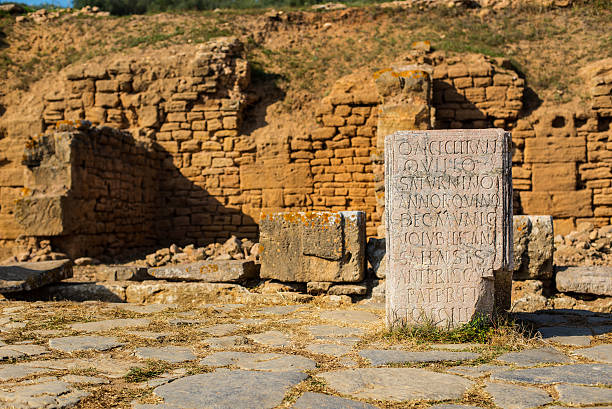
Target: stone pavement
{"points": [[104, 355]]}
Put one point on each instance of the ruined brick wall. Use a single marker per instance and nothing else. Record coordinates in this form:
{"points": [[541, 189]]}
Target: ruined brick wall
{"points": [[212, 180], [91, 191]]}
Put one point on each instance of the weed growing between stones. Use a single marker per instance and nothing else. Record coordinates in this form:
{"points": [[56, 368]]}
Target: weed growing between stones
{"points": [[499, 331], [153, 369]]}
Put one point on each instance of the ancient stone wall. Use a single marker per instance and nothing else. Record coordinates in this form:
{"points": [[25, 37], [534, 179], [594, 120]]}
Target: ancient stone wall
{"points": [[214, 179]]}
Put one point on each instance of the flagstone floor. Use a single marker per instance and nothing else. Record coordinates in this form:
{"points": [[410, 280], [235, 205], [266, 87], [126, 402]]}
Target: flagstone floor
{"points": [[103, 355]]}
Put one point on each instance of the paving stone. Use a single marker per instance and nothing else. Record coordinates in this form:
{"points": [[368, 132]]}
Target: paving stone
{"points": [[280, 309], [145, 309], [291, 321], [89, 380], [227, 342], [110, 324], [103, 364], [271, 339], [172, 354], [259, 361], [348, 362], [350, 316], [532, 357], [20, 351], [379, 357], [185, 321], [311, 400], [456, 347], [453, 406], [332, 331], [508, 396], [602, 330], [49, 394], [585, 374], [396, 384], [576, 336], [83, 343], [221, 329], [600, 353], [476, 371], [328, 349], [10, 372], [157, 336], [343, 340], [252, 321], [229, 389], [30, 276], [599, 320], [583, 395]]}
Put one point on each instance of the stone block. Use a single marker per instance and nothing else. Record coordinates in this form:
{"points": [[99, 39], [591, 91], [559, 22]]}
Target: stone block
{"points": [[558, 204], [592, 280], [123, 273], [554, 177], [210, 271], [313, 246], [42, 215], [159, 292], [533, 247], [448, 205], [262, 176], [30, 276], [548, 150], [375, 255]]}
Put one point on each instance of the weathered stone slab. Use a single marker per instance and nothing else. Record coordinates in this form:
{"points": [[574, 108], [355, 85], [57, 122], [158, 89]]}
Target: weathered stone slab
{"points": [[533, 247], [328, 349], [172, 354], [106, 325], [311, 400], [396, 384], [209, 271], [585, 374], [532, 357], [576, 336], [508, 396], [229, 389], [271, 339], [259, 361], [84, 343], [583, 395], [585, 280], [313, 246], [50, 393], [378, 357], [600, 353], [449, 225], [29, 276], [123, 273]]}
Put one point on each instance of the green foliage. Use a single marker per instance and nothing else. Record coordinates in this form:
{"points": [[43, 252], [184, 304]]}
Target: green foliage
{"points": [[480, 330], [152, 370]]}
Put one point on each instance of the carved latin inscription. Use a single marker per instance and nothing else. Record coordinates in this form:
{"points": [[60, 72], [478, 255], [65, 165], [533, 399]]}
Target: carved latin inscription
{"points": [[449, 213]]}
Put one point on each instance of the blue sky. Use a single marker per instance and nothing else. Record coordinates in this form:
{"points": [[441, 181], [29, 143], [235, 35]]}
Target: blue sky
{"points": [[63, 3]]}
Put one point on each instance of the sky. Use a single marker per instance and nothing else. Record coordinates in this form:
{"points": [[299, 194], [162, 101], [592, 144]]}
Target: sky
{"points": [[62, 3]]}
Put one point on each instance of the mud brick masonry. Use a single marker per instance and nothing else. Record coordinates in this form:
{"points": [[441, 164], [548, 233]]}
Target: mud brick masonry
{"points": [[179, 165]]}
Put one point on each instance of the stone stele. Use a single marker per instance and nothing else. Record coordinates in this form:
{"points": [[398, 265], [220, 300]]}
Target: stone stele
{"points": [[313, 246], [449, 218]]}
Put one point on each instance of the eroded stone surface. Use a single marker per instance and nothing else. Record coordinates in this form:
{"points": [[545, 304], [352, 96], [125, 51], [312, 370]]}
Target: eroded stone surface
{"points": [[350, 316], [508, 396], [271, 339], [600, 353], [227, 342], [476, 371], [221, 329], [583, 395], [586, 374], [20, 351], [328, 349], [379, 357], [259, 361], [172, 354], [211, 271], [577, 336], [465, 174], [229, 389], [311, 400], [51, 393], [29, 276], [83, 343], [585, 280], [333, 331], [533, 247], [110, 324], [532, 357], [396, 384]]}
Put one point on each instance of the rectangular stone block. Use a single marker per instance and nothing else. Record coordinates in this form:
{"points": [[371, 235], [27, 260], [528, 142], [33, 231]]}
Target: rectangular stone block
{"points": [[19, 277], [313, 246], [449, 225], [596, 280], [547, 150], [209, 271], [554, 177]]}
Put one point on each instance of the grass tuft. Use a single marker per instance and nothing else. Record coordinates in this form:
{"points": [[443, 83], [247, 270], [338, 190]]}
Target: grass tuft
{"points": [[153, 369]]}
